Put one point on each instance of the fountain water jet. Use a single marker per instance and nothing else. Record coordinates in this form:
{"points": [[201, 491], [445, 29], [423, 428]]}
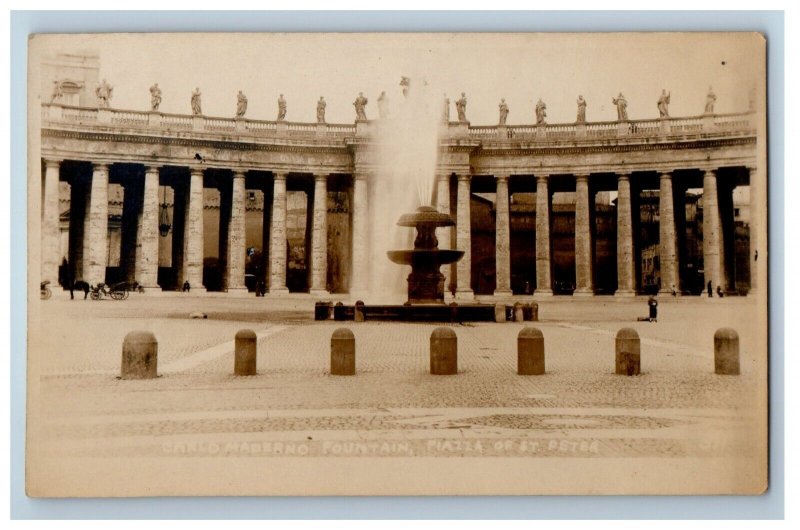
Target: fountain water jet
{"points": [[405, 156]]}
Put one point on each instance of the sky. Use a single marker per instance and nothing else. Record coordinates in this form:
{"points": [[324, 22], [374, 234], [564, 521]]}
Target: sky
{"points": [[518, 67]]}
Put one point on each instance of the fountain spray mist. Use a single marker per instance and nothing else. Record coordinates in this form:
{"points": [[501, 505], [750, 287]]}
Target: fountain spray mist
{"points": [[405, 155]]}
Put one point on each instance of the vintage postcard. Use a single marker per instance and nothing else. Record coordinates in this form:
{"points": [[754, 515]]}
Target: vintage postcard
{"points": [[397, 264]]}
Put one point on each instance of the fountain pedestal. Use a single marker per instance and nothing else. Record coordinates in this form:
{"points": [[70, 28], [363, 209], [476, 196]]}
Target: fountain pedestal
{"points": [[426, 282]]}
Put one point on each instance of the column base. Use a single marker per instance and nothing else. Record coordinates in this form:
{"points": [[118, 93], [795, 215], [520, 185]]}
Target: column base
{"points": [[503, 292], [278, 290], [465, 294], [624, 293], [237, 289], [668, 293], [319, 293], [583, 293], [542, 292], [201, 289]]}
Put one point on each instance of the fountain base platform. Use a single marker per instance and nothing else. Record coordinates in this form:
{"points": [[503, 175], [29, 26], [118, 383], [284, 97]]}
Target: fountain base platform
{"points": [[454, 312]]}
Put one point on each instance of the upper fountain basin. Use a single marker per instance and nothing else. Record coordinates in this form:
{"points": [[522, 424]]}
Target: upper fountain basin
{"points": [[425, 215]]}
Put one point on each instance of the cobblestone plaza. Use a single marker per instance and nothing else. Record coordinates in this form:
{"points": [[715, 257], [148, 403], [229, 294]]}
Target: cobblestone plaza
{"points": [[677, 409]]}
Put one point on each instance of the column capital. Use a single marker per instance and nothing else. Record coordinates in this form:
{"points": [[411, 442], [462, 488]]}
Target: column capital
{"points": [[665, 174], [443, 176], [751, 168], [53, 162], [321, 176], [239, 173], [502, 176], [150, 168], [195, 170], [100, 166], [280, 175], [623, 177], [361, 175], [542, 177], [465, 177], [708, 172], [581, 177]]}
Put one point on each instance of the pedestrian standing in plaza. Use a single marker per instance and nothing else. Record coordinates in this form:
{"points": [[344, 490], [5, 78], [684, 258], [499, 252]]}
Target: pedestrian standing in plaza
{"points": [[719, 291], [710, 290], [652, 303]]}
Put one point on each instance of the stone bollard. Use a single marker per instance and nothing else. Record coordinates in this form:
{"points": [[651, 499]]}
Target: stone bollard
{"points": [[245, 351], [530, 352], [500, 313], [726, 352], [338, 312], [139, 356], [444, 352], [453, 312], [359, 314], [628, 358], [323, 310], [527, 312], [519, 313], [343, 352]]}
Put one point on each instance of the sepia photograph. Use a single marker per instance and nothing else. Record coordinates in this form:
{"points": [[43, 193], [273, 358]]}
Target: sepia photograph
{"points": [[383, 264]]}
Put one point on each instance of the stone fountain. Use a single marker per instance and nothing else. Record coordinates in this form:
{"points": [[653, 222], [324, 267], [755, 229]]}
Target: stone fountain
{"points": [[426, 282]]}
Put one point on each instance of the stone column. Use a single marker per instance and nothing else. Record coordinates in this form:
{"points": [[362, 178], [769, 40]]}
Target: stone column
{"points": [[319, 237], [147, 236], [625, 265], [544, 284], [464, 240], [96, 233], [668, 251], [359, 274], [277, 237], [502, 238], [193, 241], [51, 233], [711, 230], [444, 233], [755, 212], [584, 281], [235, 259]]}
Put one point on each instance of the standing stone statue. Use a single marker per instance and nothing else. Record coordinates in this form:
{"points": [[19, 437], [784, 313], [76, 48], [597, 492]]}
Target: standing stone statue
{"points": [[581, 110], [622, 107], [503, 111], [461, 107], [541, 112], [321, 110], [155, 97], [446, 109], [196, 106], [663, 104], [711, 99], [405, 82], [281, 108], [104, 93], [241, 104], [383, 106], [361, 105], [58, 93]]}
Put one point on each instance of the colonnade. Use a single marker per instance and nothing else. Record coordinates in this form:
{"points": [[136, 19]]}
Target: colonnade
{"points": [[91, 230], [89, 244]]}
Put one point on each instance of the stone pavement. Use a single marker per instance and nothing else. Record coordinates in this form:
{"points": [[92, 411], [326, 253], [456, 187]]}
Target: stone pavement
{"points": [[393, 407]]}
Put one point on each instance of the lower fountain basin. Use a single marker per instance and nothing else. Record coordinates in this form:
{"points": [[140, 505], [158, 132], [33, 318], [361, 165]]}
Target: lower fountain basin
{"points": [[425, 257]]}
